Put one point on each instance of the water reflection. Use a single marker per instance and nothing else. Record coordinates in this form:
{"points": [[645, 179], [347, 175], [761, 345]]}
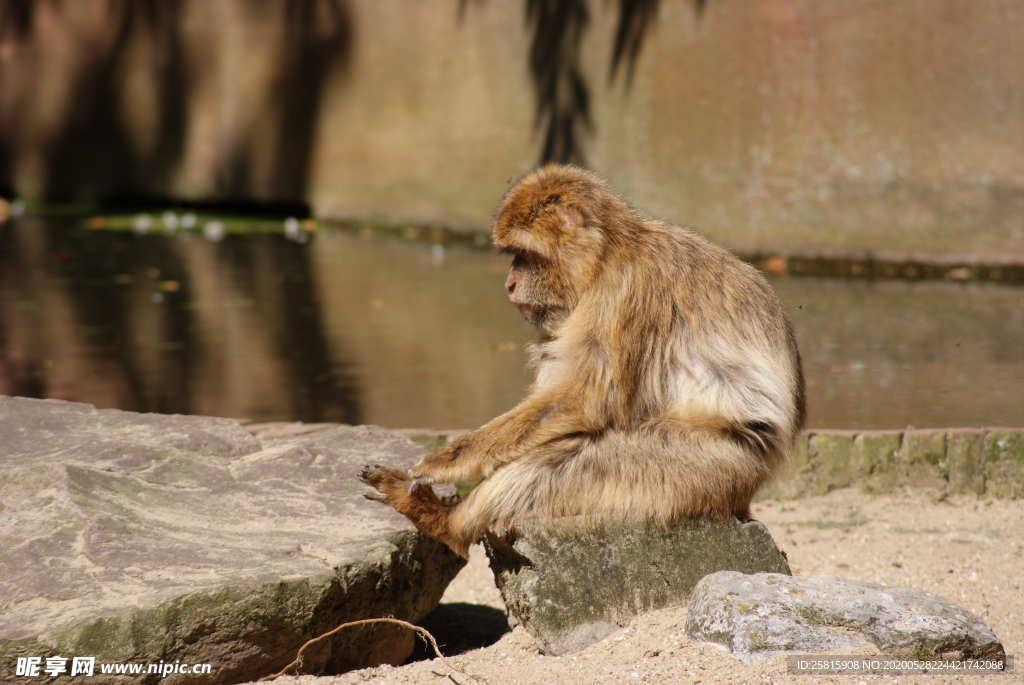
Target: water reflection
{"points": [[168, 324], [353, 329], [893, 354]]}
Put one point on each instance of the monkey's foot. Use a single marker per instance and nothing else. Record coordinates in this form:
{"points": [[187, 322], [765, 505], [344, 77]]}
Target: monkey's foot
{"points": [[413, 498], [395, 485]]}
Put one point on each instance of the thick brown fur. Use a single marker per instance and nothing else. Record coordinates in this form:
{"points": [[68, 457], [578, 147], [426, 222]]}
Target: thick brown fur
{"points": [[668, 379]]}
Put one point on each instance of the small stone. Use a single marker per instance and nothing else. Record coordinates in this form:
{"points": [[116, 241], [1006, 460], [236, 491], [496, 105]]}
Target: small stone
{"points": [[756, 616]]}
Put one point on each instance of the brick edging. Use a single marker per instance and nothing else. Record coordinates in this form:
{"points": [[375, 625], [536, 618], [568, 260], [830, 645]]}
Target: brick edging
{"points": [[980, 461]]}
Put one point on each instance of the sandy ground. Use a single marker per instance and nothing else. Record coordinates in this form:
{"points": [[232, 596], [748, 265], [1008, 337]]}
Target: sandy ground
{"points": [[967, 550]]}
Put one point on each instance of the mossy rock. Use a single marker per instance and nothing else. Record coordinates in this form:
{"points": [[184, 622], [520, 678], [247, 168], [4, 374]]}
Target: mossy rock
{"points": [[192, 539], [571, 587]]}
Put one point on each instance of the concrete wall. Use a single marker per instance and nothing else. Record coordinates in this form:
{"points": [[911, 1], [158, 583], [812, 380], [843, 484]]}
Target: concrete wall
{"points": [[780, 124]]}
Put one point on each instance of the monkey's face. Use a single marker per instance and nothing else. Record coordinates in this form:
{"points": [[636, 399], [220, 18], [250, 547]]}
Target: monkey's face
{"points": [[533, 287], [555, 250]]}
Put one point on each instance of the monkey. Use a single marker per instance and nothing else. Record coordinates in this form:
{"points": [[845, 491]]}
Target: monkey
{"points": [[668, 383]]}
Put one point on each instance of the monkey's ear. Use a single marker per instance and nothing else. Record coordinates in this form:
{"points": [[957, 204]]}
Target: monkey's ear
{"points": [[572, 218]]}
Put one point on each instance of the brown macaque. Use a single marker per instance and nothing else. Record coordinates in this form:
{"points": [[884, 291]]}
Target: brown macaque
{"points": [[668, 382]]}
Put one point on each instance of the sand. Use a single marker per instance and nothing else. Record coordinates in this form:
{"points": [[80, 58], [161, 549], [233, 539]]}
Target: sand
{"points": [[967, 550]]}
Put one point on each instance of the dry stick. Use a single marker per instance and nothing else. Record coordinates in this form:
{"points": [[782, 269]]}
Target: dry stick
{"points": [[424, 634]]}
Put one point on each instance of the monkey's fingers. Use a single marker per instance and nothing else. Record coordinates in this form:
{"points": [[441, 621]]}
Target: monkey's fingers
{"points": [[376, 497], [450, 500]]}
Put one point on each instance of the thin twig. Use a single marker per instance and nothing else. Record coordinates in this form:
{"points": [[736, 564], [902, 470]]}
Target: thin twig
{"points": [[423, 632]]}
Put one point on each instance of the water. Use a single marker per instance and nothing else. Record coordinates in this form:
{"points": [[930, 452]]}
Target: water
{"points": [[376, 330]]}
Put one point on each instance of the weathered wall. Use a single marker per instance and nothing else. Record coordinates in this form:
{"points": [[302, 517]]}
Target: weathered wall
{"points": [[785, 124]]}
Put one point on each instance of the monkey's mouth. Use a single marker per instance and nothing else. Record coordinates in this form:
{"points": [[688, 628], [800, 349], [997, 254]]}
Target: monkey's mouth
{"points": [[528, 311], [534, 314], [541, 316]]}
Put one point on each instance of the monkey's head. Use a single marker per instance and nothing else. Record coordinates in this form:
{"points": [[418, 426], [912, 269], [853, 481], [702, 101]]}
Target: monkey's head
{"points": [[552, 223]]}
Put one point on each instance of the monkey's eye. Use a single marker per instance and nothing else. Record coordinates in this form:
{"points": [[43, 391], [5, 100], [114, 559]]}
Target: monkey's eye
{"points": [[523, 259]]}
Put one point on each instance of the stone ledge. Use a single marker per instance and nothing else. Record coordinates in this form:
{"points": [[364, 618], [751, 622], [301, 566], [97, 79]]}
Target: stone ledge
{"points": [[979, 461]]}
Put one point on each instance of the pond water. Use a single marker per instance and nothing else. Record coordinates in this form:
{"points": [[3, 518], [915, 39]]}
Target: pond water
{"points": [[365, 329]]}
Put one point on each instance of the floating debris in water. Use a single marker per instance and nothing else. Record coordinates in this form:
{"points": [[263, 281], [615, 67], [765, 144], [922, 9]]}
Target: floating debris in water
{"points": [[214, 231], [437, 254], [141, 223], [960, 273], [775, 265], [188, 221], [170, 220], [293, 230]]}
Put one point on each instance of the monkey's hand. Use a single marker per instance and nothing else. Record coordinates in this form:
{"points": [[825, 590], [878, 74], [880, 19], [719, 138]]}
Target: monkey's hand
{"points": [[387, 481]]}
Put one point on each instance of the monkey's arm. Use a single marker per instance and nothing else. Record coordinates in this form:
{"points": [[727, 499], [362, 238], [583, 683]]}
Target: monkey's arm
{"points": [[539, 419], [595, 381], [597, 378]]}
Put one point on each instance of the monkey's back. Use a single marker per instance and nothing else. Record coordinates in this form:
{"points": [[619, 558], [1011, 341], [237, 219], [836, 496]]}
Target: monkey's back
{"points": [[728, 353]]}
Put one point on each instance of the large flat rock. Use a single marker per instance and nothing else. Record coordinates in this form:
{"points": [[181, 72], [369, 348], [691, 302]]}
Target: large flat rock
{"points": [[570, 588], [143, 537]]}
